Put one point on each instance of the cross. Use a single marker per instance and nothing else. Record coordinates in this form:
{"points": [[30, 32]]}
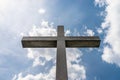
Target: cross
{"points": [[61, 42]]}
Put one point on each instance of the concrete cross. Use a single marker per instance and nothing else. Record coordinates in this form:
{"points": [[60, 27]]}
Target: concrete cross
{"points": [[61, 42]]}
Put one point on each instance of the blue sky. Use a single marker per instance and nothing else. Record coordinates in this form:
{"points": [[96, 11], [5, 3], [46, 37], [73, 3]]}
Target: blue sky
{"points": [[20, 18]]}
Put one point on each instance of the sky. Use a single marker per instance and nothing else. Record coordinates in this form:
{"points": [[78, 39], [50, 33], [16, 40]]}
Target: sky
{"points": [[20, 18]]}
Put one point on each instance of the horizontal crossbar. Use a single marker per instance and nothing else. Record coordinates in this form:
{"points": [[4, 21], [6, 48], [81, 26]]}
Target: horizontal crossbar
{"points": [[51, 42]]}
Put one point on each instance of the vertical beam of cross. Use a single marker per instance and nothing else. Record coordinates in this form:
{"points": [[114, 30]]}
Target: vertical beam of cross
{"points": [[61, 67]]}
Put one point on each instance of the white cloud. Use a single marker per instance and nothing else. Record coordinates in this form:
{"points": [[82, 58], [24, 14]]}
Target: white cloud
{"points": [[99, 30], [76, 71], [41, 76], [37, 54], [67, 32], [42, 11], [44, 29], [17, 16], [90, 32], [111, 53], [100, 3]]}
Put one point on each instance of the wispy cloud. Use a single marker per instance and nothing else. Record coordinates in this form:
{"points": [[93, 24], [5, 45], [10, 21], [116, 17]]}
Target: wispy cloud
{"points": [[100, 3]]}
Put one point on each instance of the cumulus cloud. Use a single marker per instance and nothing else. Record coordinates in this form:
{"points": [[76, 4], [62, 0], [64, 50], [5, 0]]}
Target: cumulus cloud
{"points": [[89, 32], [40, 76], [76, 71], [40, 57], [44, 29], [38, 54], [111, 24], [99, 30]]}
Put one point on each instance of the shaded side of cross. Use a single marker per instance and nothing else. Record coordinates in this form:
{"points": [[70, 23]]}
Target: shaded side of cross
{"points": [[61, 42]]}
